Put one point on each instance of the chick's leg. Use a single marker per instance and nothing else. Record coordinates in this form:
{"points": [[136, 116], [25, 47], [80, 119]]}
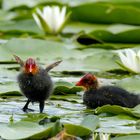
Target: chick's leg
{"points": [[41, 106], [25, 108]]}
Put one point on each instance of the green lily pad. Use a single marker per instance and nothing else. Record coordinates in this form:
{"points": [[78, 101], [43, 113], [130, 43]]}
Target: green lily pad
{"points": [[45, 49], [9, 89], [108, 13], [130, 137], [89, 60], [115, 109], [117, 33], [24, 130], [131, 84], [64, 88], [119, 130], [7, 5], [118, 120], [87, 126], [102, 60], [22, 26]]}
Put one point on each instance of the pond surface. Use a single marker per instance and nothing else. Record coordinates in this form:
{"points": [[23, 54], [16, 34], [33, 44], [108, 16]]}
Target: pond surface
{"points": [[89, 42]]}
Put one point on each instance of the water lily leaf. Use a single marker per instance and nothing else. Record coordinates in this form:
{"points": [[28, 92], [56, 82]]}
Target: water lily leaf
{"points": [[28, 47], [22, 26], [119, 130], [64, 88], [123, 36], [5, 15], [117, 33], [68, 98], [89, 60], [56, 128], [77, 27], [91, 122], [115, 109], [24, 130], [31, 117], [118, 120], [108, 13], [130, 84], [94, 41], [130, 137], [9, 89], [119, 124], [7, 5], [87, 126], [77, 130], [101, 61]]}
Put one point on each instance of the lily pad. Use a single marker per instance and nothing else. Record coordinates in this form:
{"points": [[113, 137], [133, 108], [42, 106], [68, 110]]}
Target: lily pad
{"points": [[108, 13], [24, 130], [64, 88], [130, 84], [119, 130], [115, 109], [22, 26], [130, 137], [87, 126], [29, 47], [117, 33]]}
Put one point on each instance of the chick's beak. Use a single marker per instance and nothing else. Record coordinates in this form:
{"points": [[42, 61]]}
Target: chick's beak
{"points": [[81, 84], [78, 84], [30, 69]]}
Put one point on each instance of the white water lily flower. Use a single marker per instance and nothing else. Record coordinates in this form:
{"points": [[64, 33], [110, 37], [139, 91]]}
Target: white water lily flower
{"points": [[130, 60], [51, 19], [104, 136], [101, 136]]}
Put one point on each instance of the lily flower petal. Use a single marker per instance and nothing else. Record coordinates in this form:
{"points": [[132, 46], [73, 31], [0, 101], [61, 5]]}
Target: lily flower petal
{"points": [[131, 57], [130, 60], [104, 136], [123, 58], [37, 20], [138, 60]]}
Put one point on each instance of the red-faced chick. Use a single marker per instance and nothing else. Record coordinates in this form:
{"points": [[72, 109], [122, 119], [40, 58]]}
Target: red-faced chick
{"points": [[35, 82], [95, 95]]}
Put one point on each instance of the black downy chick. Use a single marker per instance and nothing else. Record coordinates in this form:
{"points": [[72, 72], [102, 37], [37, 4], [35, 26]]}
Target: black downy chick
{"points": [[35, 82], [95, 96]]}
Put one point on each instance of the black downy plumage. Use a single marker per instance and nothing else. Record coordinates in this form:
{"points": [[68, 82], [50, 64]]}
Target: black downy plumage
{"points": [[35, 82], [95, 96]]}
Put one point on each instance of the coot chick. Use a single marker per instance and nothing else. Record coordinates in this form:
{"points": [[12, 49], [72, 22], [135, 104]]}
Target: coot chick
{"points": [[95, 96], [35, 82]]}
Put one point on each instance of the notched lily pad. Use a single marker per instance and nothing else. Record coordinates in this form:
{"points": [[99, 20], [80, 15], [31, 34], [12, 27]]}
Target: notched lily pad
{"points": [[87, 40]]}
